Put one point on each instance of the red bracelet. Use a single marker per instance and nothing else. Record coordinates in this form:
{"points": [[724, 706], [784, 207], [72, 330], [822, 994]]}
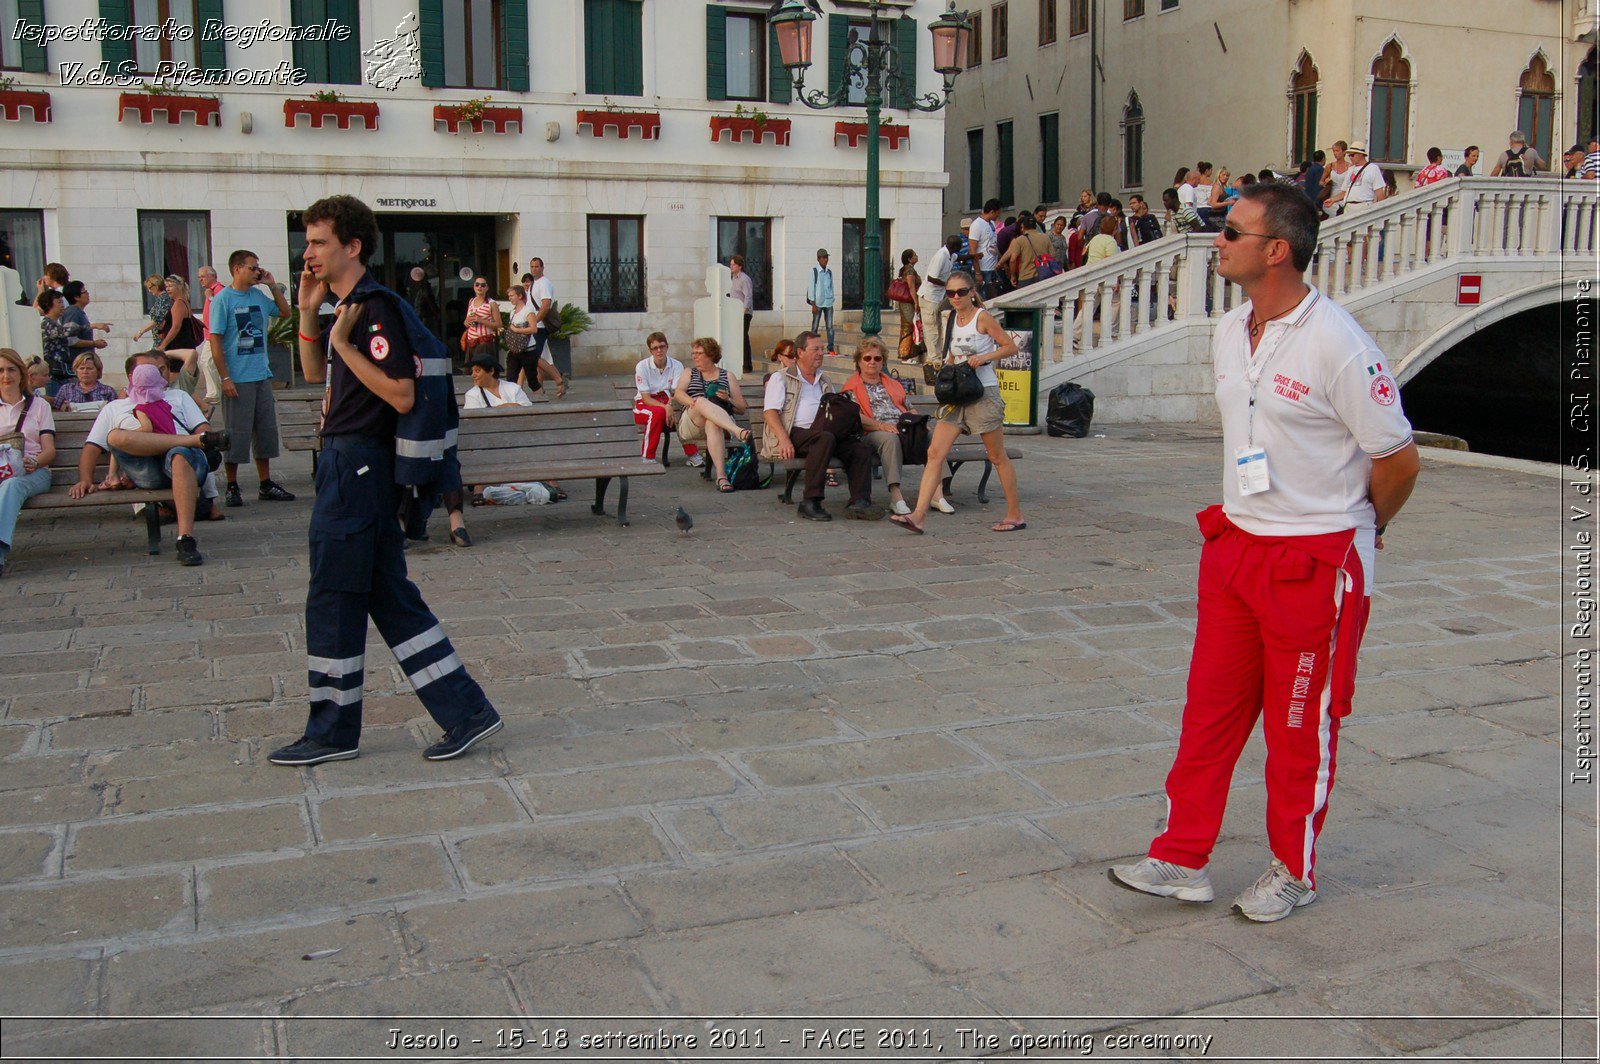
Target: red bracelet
{"points": [[308, 339]]}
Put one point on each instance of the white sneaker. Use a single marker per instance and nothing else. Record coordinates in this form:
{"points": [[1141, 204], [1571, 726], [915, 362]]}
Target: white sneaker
{"points": [[1275, 895], [899, 507], [943, 505], [1164, 879], [696, 460]]}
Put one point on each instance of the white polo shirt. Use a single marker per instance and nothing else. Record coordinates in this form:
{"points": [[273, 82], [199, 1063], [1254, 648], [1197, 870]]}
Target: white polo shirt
{"points": [[1325, 407], [651, 381], [118, 414], [810, 396], [1188, 195]]}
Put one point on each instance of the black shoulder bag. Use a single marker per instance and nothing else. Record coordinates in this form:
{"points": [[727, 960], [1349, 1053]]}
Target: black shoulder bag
{"points": [[957, 383]]}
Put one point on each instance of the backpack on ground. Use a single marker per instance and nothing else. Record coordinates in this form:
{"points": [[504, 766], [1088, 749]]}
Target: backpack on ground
{"points": [[744, 469]]}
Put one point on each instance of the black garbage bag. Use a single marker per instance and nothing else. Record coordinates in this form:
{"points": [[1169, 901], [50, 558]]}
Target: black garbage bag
{"points": [[1070, 411]]}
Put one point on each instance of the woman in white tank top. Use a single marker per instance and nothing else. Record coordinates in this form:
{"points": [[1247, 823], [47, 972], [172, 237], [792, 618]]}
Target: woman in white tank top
{"points": [[979, 339]]}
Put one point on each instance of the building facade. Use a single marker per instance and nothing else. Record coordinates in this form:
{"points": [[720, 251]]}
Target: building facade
{"points": [[626, 143], [1116, 95]]}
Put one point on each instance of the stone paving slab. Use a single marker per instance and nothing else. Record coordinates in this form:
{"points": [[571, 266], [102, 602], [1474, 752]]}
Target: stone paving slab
{"points": [[816, 769]]}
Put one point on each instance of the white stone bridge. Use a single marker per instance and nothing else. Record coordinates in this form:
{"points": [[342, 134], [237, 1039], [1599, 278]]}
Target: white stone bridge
{"points": [[1136, 328]]}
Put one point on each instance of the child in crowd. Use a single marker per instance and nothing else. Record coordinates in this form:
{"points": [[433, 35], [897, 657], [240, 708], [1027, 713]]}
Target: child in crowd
{"points": [[148, 389]]}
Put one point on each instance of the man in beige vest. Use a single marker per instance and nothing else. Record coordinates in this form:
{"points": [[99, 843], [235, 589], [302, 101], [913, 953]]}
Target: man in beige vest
{"points": [[793, 402]]}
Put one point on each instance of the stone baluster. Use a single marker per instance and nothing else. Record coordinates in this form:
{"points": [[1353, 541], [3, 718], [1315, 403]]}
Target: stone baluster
{"points": [[1163, 290]]}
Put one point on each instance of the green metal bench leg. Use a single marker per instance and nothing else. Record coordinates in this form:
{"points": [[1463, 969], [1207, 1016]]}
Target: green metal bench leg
{"points": [[790, 476], [152, 524], [983, 482], [949, 480], [622, 502], [600, 486]]}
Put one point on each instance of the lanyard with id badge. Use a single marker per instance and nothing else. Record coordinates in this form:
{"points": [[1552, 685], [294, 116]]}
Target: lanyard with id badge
{"points": [[1250, 461]]}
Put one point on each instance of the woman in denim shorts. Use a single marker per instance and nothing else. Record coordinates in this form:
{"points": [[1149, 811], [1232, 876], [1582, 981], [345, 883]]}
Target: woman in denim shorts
{"points": [[979, 339]]}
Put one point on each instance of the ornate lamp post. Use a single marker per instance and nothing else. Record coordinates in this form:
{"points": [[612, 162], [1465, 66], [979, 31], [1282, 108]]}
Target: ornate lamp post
{"points": [[872, 65]]}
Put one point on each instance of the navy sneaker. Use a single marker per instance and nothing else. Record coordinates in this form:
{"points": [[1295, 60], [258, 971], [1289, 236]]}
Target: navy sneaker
{"points": [[310, 752], [465, 736]]}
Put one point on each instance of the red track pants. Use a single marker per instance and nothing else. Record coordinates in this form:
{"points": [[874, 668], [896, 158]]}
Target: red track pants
{"points": [[654, 420], [1280, 621]]}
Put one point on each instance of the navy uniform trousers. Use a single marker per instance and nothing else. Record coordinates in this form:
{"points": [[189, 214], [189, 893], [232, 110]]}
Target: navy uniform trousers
{"points": [[358, 570]]}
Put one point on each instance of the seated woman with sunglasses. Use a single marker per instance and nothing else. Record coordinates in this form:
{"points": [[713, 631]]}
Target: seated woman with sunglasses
{"points": [[981, 342], [710, 398], [882, 400]]}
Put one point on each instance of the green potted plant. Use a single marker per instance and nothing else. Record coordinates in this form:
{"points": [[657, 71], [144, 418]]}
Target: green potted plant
{"points": [[571, 320]]}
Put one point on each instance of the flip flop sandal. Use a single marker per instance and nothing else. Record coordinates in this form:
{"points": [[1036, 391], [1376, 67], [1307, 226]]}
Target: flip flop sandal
{"points": [[724, 485], [905, 523], [1009, 526]]}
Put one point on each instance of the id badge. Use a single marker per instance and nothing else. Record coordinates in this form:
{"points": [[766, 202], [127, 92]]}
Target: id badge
{"points": [[1251, 465]]}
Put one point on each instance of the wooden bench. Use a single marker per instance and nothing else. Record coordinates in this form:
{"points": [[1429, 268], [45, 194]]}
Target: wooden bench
{"points": [[72, 430], [516, 444], [963, 452]]}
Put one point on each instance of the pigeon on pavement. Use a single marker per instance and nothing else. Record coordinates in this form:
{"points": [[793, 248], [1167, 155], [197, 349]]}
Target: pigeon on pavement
{"points": [[685, 522]]}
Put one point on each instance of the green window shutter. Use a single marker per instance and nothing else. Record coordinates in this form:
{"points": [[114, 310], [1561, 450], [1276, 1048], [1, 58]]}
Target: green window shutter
{"points": [[613, 47], [32, 13], [599, 69], [905, 44], [1004, 173], [213, 53], [310, 56], [716, 53], [838, 49], [430, 28], [343, 58], [114, 53], [630, 47], [778, 84], [514, 45]]}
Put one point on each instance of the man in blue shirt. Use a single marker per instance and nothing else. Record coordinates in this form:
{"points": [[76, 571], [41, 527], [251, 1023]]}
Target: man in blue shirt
{"points": [[819, 296], [238, 338]]}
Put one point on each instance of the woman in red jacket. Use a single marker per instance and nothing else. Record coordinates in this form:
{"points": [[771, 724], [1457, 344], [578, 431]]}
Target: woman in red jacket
{"points": [[882, 401]]}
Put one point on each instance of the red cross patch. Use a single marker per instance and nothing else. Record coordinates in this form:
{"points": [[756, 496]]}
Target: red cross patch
{"points": [[379, 348], [1384, 391]]}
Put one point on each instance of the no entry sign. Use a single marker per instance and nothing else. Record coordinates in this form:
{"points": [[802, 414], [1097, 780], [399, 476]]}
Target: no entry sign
{"points": [[1469, 289]]}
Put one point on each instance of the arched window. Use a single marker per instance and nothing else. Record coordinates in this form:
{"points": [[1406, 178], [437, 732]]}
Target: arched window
{"points": [[1303, 110], [1391, 104], [1133, 143], [1536, 105]]}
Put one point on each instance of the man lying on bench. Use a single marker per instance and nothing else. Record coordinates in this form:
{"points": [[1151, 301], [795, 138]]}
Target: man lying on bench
{"points": [[155, 460]]}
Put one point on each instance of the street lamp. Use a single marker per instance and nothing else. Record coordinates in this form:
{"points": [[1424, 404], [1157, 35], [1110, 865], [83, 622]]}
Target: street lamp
{"points": [[872, 65]]}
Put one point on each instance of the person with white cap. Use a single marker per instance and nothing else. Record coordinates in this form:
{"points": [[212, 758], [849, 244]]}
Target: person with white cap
{"points": [[1366, 186], [1519, 160]]}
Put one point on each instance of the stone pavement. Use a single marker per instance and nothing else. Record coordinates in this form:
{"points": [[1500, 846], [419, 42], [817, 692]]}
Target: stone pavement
{"points": [[780, 769]]}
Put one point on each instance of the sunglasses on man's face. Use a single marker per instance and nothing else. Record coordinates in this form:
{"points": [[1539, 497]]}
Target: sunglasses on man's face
{"points": [[958, 291], [1231, 233]]}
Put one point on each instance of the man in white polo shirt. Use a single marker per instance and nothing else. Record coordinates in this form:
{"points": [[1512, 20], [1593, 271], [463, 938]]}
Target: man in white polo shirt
{"points": [[1317, 459], [791, 407]]}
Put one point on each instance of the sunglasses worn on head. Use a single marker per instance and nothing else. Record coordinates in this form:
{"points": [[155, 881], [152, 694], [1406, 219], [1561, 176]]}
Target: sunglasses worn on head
{"points": [[958, 291], [1231, 233]]}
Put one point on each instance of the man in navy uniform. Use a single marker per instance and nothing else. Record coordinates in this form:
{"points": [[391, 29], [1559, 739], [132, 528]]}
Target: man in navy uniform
{"points": [[373, 360]]}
